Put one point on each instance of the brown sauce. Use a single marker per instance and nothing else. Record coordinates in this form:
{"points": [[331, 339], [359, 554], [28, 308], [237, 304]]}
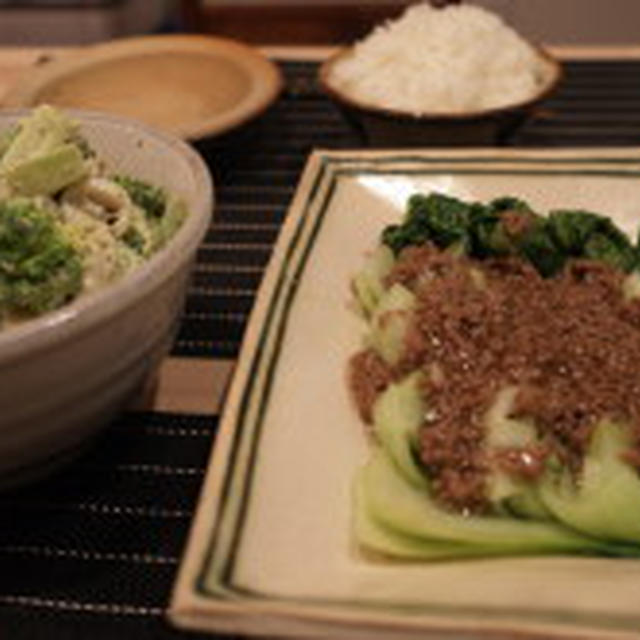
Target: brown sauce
{"points": [[570, 343]]}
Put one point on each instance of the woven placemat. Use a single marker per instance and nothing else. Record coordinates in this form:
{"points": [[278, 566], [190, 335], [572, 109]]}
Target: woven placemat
{"points": [[102, 538]]}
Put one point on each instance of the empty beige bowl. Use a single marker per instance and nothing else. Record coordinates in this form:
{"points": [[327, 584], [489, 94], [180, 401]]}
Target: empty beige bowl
{"points": [[67, 373], [192, 86]]}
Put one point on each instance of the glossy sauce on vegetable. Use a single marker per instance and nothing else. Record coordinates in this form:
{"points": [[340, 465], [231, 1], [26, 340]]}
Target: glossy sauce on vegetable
{"points": [[570, 343], [506, 298]]}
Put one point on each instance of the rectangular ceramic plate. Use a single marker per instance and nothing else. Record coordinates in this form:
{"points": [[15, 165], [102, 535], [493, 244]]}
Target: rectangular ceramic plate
{"points": [[270, 551]]}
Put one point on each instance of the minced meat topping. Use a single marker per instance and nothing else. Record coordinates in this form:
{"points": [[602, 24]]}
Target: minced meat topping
{"points": [[571, 344]]}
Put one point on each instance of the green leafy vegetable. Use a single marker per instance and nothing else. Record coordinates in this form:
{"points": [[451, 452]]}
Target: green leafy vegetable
{"points": [[134, 240], [438, 218], [571, 229], [509, 226], [537, 246], [39, 269], [152, 199], [585, 234], [508, 203]]}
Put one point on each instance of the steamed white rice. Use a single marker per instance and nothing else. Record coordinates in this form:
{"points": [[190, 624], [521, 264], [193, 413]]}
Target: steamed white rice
{"points": [[458, 59]]}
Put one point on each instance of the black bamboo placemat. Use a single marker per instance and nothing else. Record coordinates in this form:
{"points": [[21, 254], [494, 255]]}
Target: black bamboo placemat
{"points": [[598, 104], [93, 551]]}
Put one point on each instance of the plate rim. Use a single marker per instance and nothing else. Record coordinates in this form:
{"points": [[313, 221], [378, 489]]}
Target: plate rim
{"points": [[190, 609]]}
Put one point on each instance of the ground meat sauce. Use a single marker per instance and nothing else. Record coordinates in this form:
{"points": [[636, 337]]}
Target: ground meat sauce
{"points": [[571, 343], [370, 376]]}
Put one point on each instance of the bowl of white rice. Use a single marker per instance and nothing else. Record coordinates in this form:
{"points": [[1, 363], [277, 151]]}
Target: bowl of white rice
{"points": [[457, 75]]}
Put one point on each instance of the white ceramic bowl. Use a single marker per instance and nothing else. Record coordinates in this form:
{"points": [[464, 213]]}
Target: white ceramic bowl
{"points": [[65, 374]]}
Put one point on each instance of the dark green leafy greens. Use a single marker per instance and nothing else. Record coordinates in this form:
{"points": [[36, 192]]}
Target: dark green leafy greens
{"points": [[164, 214], [584, 234], [509, 226], [151, 199]]}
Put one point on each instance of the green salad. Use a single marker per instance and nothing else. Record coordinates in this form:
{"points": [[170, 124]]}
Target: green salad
{"points": [[499, 379], [68, 226]]}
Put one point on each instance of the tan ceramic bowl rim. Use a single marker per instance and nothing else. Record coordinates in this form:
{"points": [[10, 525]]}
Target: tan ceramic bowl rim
{"points": [[266, 79], [397, 114], [87, 311]]}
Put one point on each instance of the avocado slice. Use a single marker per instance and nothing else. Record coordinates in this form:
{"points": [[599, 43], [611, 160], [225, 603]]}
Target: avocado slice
{"points": [[42, 131], [44, 154], [48, 173], [605, 501]]}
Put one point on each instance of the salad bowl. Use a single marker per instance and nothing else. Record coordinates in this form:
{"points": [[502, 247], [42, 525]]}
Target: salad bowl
{"points": [[67, 372]]}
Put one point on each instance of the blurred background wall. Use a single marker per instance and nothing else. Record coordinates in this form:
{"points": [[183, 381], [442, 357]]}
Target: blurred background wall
{"points": [[28, 22], [583, 22]]}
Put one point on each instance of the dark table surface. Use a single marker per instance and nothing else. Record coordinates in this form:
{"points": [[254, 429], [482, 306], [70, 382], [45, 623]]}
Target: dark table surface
{"points": [[93, 551]]}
